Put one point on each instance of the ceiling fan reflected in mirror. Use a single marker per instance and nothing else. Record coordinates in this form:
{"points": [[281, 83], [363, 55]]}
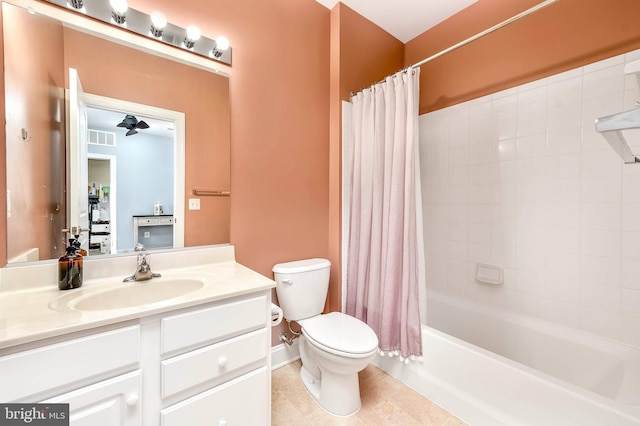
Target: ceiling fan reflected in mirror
{"points": [[131, 123]]}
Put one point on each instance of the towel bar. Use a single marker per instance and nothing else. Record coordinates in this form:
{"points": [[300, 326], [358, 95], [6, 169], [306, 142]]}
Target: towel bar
{"points": [[215, 193]]}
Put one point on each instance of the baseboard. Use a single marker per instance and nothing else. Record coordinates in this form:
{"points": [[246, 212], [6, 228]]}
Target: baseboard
{"points": [[284, 354]]}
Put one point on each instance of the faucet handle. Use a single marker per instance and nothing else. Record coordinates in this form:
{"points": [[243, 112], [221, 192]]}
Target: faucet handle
{"points": [[143, 270], [144, 262], [143, 258]]}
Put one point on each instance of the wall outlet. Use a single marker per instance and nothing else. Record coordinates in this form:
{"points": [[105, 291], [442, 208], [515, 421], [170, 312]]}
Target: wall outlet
{"points": [[147, 234], [194, 203]]}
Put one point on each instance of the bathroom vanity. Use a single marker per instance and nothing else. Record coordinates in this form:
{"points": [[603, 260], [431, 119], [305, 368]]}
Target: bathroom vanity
{"points": [[199, 357]]}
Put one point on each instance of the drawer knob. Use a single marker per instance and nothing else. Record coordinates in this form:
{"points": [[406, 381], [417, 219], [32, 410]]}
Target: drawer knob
{"points": [[222, 361], [222, 422], [132, 399]]}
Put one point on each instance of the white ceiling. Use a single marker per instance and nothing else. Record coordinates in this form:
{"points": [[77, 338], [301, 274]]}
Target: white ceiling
{"points": [[404, 19]]}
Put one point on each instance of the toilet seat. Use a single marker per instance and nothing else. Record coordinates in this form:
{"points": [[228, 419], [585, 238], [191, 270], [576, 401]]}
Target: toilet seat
{"points": [[340, 334]]}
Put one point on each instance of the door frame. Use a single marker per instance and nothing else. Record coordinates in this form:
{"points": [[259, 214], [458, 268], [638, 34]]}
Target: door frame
{"points": [[179, 168], [113, 190]]}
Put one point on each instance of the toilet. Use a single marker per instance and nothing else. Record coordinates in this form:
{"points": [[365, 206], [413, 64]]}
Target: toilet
{"points": [[334, 347]]}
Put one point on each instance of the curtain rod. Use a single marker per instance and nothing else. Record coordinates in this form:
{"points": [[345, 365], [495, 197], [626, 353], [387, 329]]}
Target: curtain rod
{"points": [[485, 32], [479, 35]]}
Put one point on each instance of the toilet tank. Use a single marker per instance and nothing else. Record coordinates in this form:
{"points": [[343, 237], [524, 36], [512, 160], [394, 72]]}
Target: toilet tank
{"points": [[302, 287]]}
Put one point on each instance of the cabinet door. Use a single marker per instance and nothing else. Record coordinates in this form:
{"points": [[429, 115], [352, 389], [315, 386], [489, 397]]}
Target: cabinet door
{"points": [[36, 373], [113, 402]]}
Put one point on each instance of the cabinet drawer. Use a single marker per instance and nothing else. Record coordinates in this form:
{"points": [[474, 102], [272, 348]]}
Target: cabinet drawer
{"points": [[223, 359], [61, 364], [216, 323], [100, 239], [148, 221], [243, 401], [165, 221], [100, 227]]}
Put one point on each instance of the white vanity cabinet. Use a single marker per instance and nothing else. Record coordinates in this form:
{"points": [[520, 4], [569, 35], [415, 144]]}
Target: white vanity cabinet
{"points": [[208, 364]]}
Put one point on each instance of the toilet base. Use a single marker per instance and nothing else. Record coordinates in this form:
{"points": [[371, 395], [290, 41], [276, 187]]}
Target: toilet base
{"points": [[338, 394]]}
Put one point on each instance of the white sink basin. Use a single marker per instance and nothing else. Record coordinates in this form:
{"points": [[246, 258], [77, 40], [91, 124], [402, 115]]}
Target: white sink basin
{"points": [[128, 295]]}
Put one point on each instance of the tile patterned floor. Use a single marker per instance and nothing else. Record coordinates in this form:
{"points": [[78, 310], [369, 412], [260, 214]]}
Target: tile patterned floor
{"points": [[385, 401]]}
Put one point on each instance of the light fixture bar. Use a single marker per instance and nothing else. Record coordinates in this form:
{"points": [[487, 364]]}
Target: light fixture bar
{"points": [[140, 23]]}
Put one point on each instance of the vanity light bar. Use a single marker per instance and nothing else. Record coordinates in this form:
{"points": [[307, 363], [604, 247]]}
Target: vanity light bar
{"points": [[147, 25]]}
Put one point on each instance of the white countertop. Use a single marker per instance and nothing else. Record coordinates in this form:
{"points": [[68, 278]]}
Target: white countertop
{"points": [[37, 311]]}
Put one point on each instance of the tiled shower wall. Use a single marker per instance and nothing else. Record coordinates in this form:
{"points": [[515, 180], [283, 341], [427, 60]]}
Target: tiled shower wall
{"points": [[522, 180]]}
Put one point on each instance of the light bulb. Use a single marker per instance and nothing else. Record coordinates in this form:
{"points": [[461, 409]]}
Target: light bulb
{"points": [[118, 10], [119, 6], [222, 43], [158, 22], [76, 4], [193, 34]]}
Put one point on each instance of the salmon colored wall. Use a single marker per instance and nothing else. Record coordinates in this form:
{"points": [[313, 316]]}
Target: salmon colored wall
{"points": [[201, 95], [334, 295], [361, 54], [562, 36], [35, 100], [279, 122], [367, 52]]}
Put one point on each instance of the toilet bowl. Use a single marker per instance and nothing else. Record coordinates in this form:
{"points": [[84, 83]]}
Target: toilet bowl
{"points": [[334, 347]]}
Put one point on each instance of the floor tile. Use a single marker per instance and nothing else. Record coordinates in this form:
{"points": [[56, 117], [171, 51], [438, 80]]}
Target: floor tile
{"points": [[385, 401]]}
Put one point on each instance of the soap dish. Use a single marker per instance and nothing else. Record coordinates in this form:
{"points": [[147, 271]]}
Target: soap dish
{"points": [[489, 274]]}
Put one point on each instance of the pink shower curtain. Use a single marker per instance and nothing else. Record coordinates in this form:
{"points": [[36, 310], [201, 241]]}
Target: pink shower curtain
{"points": [[384, 235]]}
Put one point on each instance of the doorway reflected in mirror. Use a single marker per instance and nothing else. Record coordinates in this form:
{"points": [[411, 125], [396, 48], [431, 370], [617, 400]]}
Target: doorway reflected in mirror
{"points": [[128, 177]]}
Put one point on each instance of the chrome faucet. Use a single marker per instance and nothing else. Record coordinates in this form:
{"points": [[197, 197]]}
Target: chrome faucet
{"points": [[143, 269]]}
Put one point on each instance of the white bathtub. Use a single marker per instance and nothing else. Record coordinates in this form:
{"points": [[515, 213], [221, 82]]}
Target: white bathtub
{"points": [[513, 370]]}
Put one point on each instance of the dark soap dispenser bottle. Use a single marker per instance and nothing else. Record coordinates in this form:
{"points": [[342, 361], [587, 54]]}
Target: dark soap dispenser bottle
{"points": [[70, 268]]}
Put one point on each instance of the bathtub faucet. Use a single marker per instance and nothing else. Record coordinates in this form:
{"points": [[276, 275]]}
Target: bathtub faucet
{"points": [[143, 269]]}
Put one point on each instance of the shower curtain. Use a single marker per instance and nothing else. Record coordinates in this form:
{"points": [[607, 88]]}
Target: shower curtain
{"points": [[385, 235]]}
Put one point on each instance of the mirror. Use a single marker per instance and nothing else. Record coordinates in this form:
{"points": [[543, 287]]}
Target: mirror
{"points": [[38, 51]]}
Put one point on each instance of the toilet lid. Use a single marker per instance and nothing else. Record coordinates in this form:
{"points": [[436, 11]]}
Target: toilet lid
{"points": [[341, 332]]}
